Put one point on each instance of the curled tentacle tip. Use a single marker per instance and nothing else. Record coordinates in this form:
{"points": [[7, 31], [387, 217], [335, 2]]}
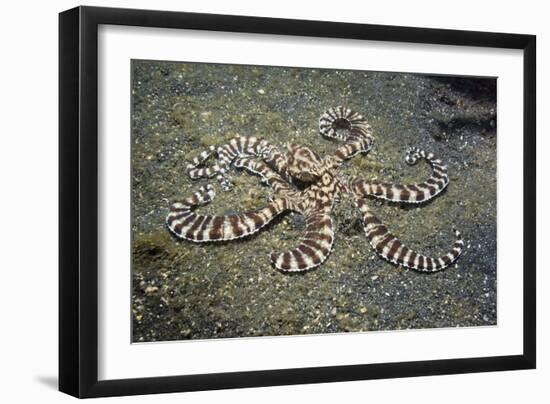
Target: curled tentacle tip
{"points": [[412, 155]]}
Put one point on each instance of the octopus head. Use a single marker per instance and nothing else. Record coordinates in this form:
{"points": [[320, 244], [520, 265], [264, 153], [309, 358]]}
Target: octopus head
{"points": [[304, 164]]}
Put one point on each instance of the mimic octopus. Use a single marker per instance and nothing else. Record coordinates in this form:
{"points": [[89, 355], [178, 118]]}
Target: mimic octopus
{"points": [[305, 183]]}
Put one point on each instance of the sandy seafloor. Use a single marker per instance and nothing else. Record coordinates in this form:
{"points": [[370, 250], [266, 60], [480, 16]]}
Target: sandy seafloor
{"points": [[184, 290]]}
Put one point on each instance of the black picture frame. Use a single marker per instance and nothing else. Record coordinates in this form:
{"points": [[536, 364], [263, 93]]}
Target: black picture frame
{"points": [[78, 201]]}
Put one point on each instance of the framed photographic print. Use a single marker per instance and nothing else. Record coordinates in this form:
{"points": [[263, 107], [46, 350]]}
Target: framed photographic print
{"points": [[250, 201]]}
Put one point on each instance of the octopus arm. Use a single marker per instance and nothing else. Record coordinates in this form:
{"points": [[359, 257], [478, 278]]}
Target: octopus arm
{"points": [[185, 223], [391, 249], [410, 193], [266, 173], [314, 247], [238, 147], [355, 133]]}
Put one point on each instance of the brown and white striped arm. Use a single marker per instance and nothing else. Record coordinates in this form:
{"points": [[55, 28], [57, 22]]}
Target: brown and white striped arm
{"points": [[186, 224], [235, 148], [358, 138], [203, 172], [391, 249], [268, 176], [342, 118], [279, 162], [313, 249], [353, 146], [412, 193]]}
